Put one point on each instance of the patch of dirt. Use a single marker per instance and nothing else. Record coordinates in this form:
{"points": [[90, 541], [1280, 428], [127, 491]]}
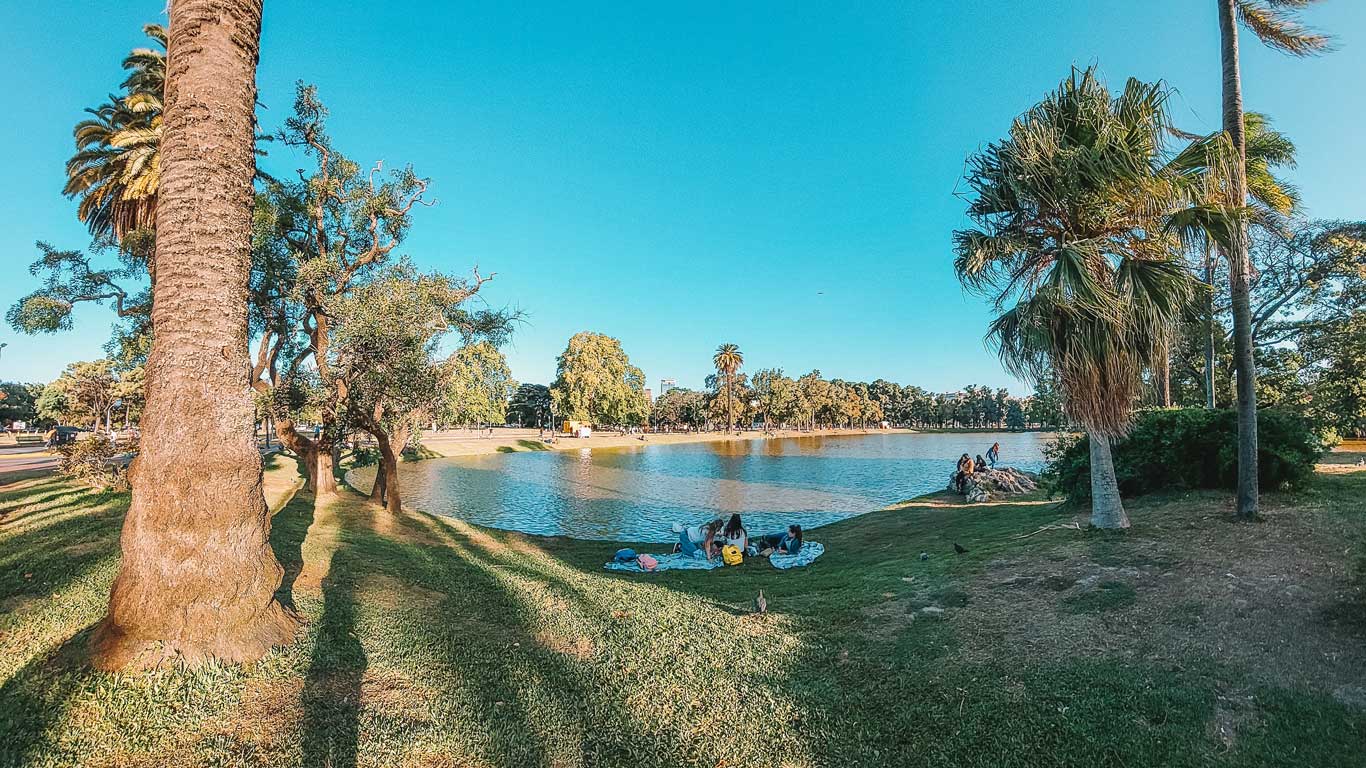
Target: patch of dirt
{"points": [[579, 648], [1257, 595]]}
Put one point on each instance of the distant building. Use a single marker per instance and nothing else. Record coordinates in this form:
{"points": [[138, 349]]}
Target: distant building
{"points": [[649, 396], [666, 384]]}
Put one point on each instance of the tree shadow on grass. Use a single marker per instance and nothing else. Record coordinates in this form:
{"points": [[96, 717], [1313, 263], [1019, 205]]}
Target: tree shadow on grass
{"points": [[288, 530], [53, 553], [36, 697], [332, 689], [510, 692]]}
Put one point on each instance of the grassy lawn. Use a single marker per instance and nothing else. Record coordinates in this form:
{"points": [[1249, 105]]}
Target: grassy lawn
{"points": [[1189, 641]]}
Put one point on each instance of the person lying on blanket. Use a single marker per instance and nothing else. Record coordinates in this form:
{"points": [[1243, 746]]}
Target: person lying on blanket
{"points": [[787, 543]]}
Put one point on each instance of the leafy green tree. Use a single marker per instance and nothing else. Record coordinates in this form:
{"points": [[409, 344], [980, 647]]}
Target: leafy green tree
{"points": [[87, 394], [1015, 416], [385, 336], [1069, 248], [530, 404], [315, 243], [19, 402], [596, 383], [478, 385], [766, 389], [680, 407], [728, 359]]}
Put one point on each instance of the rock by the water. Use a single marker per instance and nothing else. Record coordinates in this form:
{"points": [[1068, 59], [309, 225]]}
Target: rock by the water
{"points": [[982, 485]]}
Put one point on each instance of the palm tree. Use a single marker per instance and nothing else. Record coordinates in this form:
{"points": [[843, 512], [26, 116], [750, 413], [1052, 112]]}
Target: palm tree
{"points": [[1070, 249], [1205, 223], [1274, 23], [728, 359], [198, 579], [117, 166]]}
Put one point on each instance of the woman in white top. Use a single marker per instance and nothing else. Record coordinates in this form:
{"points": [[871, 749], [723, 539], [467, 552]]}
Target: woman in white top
{"points": [[735, 533]]}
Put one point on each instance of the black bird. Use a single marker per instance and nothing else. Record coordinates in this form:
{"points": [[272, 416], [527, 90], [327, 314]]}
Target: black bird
{"points": [[959, 549]]}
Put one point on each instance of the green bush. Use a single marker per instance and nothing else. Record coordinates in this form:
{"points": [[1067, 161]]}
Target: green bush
{"points": [[1176, 449], [92, 460]]}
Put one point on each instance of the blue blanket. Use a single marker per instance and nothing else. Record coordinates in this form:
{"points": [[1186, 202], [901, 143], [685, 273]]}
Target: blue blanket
{"points": [[672, 562], [810, 551]]}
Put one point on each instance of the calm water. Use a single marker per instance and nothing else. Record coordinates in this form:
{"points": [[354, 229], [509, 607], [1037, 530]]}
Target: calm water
{"points": [[636, 494]]}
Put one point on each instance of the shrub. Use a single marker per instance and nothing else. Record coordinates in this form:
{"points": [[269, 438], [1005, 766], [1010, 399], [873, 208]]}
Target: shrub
{"points": [[90, 460], [1175, 449]]}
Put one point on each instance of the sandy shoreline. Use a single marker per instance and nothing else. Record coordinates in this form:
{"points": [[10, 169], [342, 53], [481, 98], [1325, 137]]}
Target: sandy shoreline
{"points": [[510, 440]]}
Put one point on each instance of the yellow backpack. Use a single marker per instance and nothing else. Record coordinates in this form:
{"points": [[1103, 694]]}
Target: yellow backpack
{"points": [[731, 555]]}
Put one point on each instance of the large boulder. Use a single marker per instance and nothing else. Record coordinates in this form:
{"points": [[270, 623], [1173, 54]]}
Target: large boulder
{"points": [[984, 484]]}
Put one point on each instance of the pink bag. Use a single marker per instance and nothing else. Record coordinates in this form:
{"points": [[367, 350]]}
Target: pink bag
{"points": [[647, 563]]}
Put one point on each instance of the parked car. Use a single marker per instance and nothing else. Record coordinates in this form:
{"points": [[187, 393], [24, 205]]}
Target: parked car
{"points": [[64, 435]]}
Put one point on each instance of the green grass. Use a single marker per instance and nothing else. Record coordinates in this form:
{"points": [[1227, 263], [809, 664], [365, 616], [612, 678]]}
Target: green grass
{"points": [[431, 642]]}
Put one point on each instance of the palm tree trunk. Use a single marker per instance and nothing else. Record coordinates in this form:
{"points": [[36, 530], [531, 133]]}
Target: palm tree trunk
{"points": [[198, 577], [730, 391], [1239, 271], [1210, 399], [1107, 509], [1162, 374]]}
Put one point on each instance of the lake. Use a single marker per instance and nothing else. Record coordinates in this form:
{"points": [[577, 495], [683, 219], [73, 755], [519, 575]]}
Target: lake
{"points": [[637, 493]]}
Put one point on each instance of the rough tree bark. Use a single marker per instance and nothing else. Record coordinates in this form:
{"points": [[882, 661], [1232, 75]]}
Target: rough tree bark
{"points": [[198, 578], [1239, 269], [1107, 509]]}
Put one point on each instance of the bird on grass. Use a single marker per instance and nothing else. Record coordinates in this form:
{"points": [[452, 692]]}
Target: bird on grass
{"points": [[760, 604], [959, 548]]}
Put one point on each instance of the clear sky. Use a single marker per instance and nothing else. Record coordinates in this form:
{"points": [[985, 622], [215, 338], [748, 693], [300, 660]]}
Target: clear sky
{"points": [[678, 175]]}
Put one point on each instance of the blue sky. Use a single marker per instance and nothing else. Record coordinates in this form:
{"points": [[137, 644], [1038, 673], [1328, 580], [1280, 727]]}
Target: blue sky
{"points": [[779, 175]]}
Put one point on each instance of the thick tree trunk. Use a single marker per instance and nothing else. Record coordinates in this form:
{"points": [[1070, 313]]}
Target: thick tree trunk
{"points": [[1239, 270], [305, 449], [324, 472], [380, 484], [198, 578], [1107, 509], [393, 499]]}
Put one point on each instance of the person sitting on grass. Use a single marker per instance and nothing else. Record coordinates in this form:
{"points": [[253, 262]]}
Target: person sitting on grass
{"points": [[735, 533], [786, 543], [695, 538]]}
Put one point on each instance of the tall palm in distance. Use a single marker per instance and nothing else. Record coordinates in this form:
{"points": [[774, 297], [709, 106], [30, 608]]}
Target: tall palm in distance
{"points": [[728, 360], [116, 169], [1205, 224], [1274, 22], [1069, 247]]}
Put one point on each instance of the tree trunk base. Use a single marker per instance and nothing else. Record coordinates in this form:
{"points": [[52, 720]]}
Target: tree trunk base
{"points": [[246, 639]]}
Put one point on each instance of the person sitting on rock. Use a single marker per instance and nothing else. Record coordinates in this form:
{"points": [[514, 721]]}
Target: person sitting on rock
{"points": [[960, 475], [981, 462]]}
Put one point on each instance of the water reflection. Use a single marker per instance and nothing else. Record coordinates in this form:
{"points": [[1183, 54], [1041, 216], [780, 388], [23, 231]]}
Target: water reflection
{"points": [[636, 494]]}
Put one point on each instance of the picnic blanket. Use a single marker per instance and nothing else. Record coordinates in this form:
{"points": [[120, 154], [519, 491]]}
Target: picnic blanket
{"points": [[810, 551], [671, 562]]}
